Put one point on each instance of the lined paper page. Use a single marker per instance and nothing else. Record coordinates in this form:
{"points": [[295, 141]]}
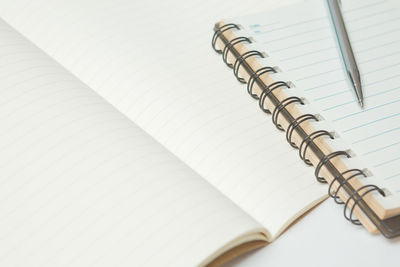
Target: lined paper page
{"points": [[304, 44], [163, 74], [81, 185]]}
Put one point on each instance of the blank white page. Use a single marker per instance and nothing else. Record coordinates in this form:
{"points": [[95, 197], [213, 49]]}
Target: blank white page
{"points": [[82, 185], [301, 39], [154, 62]]}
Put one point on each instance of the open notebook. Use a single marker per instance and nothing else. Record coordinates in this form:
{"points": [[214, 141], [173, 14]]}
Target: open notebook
{"points": [[121, 150], [292, 66]]}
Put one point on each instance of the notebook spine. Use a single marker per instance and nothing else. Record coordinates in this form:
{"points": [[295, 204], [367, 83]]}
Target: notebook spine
{"points": [[355, 196]]}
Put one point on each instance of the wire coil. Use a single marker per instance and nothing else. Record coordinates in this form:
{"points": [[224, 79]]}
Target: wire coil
{"points": [[268, 90], [217, 33], [355, 197], [281, 106], [296, 123], [256, 75], [229, 46], [334, 194], [239, 61], [324, 160]]}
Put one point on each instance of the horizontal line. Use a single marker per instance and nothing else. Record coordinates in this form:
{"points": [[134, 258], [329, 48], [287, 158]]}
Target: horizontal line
{"points": [[380, 57], [383, 80], [366, 110], [376, 135], [299, 44], [321, 18], [360, 51], [378, 46], [337, 81], [292, 25], [323, 85], [252, 26], [381, 148], [368, 16], [372, 122], [326, 38], [311, 64], [365, 86], [318, 74], [328, 96], [386, 162], [331, 47], [334, 58], [376, 35], [362, 7], [392, 176], [309, 53], [373, 24], [293, 35], [309, 31], [366, 97]]}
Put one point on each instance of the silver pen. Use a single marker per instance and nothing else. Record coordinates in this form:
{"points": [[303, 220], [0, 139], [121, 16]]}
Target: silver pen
{"points": [[345, 48]]}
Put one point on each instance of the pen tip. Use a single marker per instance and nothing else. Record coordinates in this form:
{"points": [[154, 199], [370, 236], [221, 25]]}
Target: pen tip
{"points": [[361, 102], [359, 93]]}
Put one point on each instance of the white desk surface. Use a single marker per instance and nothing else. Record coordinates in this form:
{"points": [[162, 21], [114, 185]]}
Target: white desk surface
{"points": [[325, 238]]}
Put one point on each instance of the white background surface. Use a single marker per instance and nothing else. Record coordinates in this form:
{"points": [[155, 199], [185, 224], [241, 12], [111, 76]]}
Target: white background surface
{"points": [[324, 238]]}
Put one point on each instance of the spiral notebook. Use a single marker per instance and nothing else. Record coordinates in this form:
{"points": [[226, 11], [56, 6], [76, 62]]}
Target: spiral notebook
{"points": [[125, 142], [291, 65]]}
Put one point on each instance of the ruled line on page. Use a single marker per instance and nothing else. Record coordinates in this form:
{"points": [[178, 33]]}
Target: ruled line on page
{"points": [[382, 148], [372, 122], [376, 135], [386, 162], [306, 49]]}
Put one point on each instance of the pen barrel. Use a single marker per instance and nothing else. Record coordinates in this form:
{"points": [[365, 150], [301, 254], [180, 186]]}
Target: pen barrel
{"points": [[341, 33], [346, 50]]}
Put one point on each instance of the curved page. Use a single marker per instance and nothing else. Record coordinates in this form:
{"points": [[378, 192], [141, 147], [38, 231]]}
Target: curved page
{"points": [[166, 78], [81, 185]]}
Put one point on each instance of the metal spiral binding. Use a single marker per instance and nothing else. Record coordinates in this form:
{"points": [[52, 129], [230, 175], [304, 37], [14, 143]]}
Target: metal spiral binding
{"points": [[239, 61], [229, 46], [324, 160], [267, 91], [334, 194], [308, 140], [256, 75], [295, 123], [282, 105], [355, 197], [219, 31]]}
